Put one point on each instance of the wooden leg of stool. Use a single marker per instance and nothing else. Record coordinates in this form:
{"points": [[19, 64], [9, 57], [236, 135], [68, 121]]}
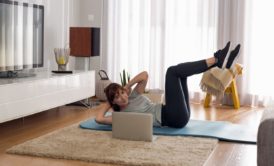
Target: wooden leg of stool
{"points": [[207, 100], [234, 94]]}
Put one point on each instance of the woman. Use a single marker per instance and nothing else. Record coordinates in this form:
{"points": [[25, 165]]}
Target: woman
{"points": [[176, 111]]}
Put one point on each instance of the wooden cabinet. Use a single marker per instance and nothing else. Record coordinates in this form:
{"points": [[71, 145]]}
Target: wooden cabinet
{"points": [[84, 41]]}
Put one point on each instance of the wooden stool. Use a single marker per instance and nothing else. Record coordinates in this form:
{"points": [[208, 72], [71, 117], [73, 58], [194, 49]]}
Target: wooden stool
{"points": [[232, 89]]}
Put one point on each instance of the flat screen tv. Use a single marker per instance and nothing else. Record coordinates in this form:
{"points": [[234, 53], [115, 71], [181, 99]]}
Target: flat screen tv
{"points": [[21, 36]]}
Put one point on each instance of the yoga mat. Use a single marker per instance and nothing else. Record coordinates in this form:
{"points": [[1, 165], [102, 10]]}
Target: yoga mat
{"points": [[224, 131]]}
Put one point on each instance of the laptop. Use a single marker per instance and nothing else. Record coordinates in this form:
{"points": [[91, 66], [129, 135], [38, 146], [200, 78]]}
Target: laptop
{"points": [[132, 126]]}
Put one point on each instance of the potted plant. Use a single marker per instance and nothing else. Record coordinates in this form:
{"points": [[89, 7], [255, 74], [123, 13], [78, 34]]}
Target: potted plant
{"points": [[125, 77]]}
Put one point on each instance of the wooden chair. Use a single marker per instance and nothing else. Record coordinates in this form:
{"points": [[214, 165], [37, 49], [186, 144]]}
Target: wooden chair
{"points": [[232, 89]]}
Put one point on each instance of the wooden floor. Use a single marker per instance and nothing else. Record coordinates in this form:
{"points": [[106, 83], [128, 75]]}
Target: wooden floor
{"points": [[21, 130]]}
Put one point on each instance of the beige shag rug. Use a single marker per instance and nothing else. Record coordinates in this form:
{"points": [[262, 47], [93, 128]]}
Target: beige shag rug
{"points": [[99, 146]]}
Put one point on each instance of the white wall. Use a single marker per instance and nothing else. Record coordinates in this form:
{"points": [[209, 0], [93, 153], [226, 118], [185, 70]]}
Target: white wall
{"points": [[59, 16], [90, 16], [90, 13], [82, 13]]}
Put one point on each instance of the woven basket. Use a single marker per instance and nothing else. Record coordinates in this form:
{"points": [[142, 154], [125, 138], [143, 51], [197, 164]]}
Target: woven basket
{"points": [[101, 85]]}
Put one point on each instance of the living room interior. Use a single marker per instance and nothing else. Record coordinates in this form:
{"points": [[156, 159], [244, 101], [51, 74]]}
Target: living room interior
{"points": [[51, 96]]}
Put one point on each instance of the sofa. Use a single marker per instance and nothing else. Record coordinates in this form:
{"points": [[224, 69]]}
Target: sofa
{"points": [[265, 139]]}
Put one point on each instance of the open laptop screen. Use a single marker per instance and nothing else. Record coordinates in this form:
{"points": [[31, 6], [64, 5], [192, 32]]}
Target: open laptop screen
{"points": [[132, 126]]}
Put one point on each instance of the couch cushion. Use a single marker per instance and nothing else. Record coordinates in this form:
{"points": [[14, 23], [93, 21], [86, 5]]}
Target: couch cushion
{"points": [[265, 142]]}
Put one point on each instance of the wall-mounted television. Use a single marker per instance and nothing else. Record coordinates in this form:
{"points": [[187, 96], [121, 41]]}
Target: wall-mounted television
{"points": [[21, 36]]}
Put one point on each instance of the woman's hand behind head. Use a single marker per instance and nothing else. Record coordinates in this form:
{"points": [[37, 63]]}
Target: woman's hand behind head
{"points": [[127, 89]]}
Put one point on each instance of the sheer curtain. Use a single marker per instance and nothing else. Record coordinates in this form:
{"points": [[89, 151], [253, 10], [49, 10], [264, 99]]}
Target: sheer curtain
{"points": [[155, 34], [248, 23], [231, 27], [258, 42]]}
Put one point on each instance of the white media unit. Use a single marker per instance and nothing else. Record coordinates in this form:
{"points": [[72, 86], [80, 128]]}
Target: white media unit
{"points": [[21, 97]]}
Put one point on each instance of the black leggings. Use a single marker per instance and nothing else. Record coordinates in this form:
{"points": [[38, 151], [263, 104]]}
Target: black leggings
{"points": [[176, 111]]}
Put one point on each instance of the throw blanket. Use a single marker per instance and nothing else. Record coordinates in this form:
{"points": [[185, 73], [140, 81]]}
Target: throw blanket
{"points": [[216, 80]]}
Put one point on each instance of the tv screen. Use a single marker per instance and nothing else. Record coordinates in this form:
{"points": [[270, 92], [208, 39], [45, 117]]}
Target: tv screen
{"points": [[21, 35]]}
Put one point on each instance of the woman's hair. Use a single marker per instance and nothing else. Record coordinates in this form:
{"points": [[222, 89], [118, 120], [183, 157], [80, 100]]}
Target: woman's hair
{"points": [[111, 90]]}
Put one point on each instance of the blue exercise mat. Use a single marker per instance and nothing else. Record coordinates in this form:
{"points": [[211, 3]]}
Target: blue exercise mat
{"points": [[224, 131]]}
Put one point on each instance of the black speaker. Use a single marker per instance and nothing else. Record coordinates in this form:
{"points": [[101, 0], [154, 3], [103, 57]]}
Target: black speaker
{"points": [[95, 41], [84, 41]]}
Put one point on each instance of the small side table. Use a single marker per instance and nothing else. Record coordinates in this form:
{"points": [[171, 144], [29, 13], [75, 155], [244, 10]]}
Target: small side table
{"points": [[232, 89]]}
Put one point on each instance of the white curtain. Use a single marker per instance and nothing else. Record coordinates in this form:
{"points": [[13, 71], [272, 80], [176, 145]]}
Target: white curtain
{"points": [[155, 34], [259, 57], [248, 22], [231, 27]]}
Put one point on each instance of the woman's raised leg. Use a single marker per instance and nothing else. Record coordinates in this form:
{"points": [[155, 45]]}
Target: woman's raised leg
{"points": [[176, 111]]}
